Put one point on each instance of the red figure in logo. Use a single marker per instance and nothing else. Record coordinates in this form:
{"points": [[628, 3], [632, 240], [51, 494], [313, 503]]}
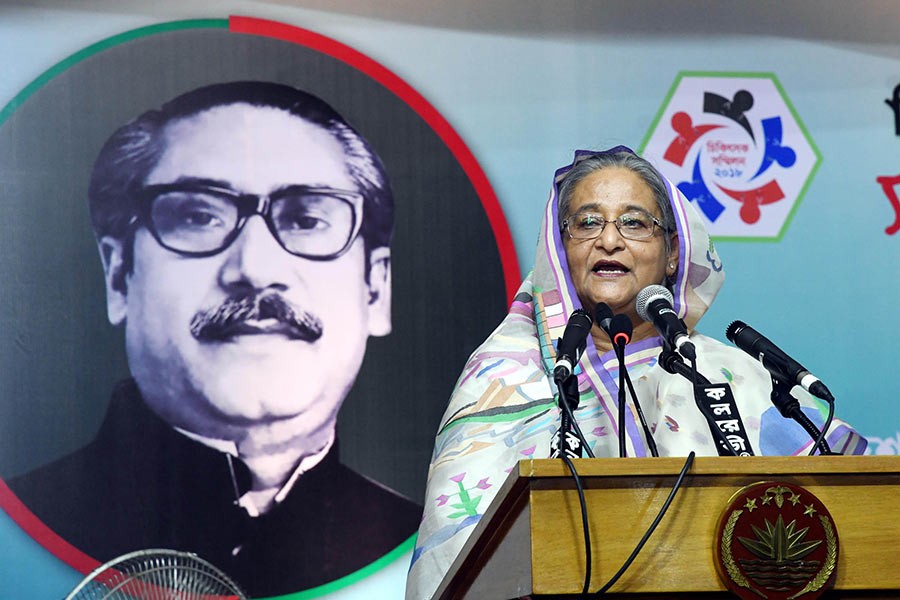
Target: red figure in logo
{"points": [[753, 199], [888, 184], [683, 125]]}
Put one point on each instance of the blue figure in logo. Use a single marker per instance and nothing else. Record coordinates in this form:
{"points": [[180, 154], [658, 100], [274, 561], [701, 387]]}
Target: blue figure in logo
{"points": [[774, 151], [696, 191]]}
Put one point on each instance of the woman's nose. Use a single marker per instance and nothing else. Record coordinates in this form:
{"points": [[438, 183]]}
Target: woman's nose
{"points": [[610, 238]]}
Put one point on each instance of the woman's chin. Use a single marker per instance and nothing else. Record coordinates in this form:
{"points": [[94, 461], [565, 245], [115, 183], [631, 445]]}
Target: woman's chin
{"points": [[617, 294]]}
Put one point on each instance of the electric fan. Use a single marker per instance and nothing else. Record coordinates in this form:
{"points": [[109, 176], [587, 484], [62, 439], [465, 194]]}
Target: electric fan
{"points": [[157, 575]]}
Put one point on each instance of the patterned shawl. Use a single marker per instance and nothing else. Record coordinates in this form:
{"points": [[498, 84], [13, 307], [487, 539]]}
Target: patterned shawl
{"points": [[504, 408]]}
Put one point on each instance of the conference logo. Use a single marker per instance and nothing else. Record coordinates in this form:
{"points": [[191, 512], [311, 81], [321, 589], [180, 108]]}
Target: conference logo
{"points": [[737, 150]]}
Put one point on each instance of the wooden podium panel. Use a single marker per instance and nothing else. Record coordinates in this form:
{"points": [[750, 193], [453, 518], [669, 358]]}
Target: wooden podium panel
{"points": [[530, 541]]}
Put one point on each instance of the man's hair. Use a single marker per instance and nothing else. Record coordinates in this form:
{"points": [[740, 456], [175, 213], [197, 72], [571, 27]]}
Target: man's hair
{"points": [[134, 150], [618, 157]]}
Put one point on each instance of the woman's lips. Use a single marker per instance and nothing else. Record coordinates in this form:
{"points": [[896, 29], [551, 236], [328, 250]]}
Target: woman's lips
{"points": [[609, 268]]}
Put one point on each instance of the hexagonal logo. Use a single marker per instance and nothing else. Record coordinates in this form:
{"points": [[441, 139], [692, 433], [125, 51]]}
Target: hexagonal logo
{"points": [[736, 148]]}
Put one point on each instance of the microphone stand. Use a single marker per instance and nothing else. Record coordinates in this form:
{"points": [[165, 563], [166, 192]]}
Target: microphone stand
{"points": [[672, 363], [568, 425], [624, 379], [789, 407], [620, 355]]}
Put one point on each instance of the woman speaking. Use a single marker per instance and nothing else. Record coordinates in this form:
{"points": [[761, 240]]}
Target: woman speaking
{"points": [[612, 227]]}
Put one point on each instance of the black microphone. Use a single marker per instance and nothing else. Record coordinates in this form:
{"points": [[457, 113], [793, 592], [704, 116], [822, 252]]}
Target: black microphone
{"points": [[654, 304], [617, 327], [572, 344], [603, 316], [779, 364], [620, 330]]}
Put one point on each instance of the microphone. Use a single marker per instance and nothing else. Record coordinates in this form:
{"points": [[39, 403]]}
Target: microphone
{"points": [[620, 330], [654, 304], [779, 364], [617, 327], [572, 344], [603, 316]]}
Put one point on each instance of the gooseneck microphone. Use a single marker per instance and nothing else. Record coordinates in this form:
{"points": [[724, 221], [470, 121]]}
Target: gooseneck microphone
{"points": [[654, 304], [779, 364], [603, 316], [572, 344], [620, 330]]}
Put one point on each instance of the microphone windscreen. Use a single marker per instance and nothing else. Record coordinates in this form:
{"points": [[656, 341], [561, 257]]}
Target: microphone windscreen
{"points": [[734, 329], [580, 319], [648, 295], [576, 332]]}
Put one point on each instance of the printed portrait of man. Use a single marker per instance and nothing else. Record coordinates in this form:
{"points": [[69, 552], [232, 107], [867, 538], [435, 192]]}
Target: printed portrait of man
{"points": [[293, 266], [244, 230]]}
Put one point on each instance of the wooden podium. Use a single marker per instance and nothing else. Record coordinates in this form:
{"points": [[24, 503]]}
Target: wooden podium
{"points": [[530, 540]]}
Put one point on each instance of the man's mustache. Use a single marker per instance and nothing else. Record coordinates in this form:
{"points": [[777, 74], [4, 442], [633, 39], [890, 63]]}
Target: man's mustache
{"points": [[230, 318]]}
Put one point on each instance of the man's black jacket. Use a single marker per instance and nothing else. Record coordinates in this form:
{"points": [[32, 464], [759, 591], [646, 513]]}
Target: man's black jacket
{"points": [[140, 485]]}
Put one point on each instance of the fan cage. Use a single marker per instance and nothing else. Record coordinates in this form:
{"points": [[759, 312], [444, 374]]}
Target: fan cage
{"points": [[157, 574]]}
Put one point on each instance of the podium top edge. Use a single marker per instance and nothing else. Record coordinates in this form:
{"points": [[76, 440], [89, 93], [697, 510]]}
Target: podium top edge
{"points": [[766, 466]]}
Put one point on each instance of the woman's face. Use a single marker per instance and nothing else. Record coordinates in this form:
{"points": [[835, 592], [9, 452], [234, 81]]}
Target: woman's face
{"points": [[610, 268]]}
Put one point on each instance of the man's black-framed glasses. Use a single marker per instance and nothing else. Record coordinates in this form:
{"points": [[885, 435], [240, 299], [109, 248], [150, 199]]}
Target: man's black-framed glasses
{"points": [[634, 225], [197, 220]]}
